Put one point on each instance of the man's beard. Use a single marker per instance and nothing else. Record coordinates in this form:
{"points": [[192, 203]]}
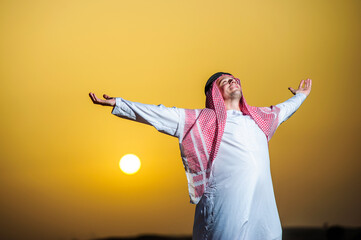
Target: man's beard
{"points": [[236, 95]]}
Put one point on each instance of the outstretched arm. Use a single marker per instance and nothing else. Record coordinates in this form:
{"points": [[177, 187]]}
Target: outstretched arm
{"points": [[304, 87], [164, 119]]}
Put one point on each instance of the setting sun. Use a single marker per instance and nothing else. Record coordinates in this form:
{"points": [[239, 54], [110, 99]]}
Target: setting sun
{"points": [[129, 164]]}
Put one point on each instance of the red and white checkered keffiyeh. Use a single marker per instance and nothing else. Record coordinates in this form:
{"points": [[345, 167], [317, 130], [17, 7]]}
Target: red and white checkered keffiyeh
{"points": [[203, 132]]}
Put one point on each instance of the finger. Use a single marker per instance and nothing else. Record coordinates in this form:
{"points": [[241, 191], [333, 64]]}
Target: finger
{"points": [[307, 85], [301, 84], [292, 90], [97, 100], [92, 97]]}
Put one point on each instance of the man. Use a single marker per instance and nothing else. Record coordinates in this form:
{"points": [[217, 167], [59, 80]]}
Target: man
{"points": [[224, 149]]}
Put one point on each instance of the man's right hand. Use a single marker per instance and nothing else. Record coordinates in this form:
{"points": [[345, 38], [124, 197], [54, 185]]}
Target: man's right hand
{"points": [[109, 101], [304, 87]]}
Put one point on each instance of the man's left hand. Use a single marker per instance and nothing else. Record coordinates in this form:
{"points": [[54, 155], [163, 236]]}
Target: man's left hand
{"points": [[304, 87]]}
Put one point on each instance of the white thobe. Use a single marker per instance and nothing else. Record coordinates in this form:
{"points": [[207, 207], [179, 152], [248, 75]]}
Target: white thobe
{"points": [[239, 202]]}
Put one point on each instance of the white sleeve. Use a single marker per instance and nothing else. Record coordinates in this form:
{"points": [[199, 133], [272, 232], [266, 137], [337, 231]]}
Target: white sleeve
{"points": [[166, 120], [289, 107]]}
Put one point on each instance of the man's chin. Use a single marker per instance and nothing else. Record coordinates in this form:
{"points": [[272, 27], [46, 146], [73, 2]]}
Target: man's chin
{"points": [[236, 94]]}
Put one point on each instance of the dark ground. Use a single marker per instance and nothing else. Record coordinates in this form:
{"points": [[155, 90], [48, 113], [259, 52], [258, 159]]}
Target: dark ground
{"points": [[332, 233]]}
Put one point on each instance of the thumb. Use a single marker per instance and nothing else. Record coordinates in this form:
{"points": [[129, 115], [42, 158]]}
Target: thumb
{"points": [[292, 90], [106, 96]]}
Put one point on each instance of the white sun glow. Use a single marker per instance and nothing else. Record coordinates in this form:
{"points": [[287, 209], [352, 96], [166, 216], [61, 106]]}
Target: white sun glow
{"points": [[129, 164]]}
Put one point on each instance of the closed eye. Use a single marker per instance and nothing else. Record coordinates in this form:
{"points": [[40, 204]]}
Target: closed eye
{"points": [[223, 81]]}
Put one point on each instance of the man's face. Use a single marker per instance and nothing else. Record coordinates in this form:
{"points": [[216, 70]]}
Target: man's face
{"points": [[229, 87]]}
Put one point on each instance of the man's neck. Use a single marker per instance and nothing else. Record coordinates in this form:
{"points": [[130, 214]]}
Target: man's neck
{"points": [[232, 104]]}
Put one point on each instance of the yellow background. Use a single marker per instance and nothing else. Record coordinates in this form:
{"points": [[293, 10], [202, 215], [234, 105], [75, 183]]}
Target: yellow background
{"points": [[59, 153]]}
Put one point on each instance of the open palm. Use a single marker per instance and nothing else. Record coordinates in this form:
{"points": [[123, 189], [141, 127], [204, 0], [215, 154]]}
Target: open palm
{"points": [[109, 101], [304, 87]]}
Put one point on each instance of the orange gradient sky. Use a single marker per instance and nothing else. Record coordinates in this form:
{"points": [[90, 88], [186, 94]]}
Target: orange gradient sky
{"points": [[59, 153]]}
